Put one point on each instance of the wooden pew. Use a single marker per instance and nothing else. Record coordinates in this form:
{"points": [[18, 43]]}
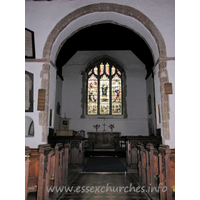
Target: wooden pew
{"points": [[33, 170], [172, 168], [165, 172], [76, 152], [66, 163], [156, 168], [131, 154], [58, 181], [128, 153], [27, 165], [46, 167], [142, 164], [61, 167], [131, 148], [150, 169], [44, 170], [52, 168]]}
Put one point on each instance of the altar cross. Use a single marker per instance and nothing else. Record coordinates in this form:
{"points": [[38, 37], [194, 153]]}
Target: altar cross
{"points": [[104, 126]]}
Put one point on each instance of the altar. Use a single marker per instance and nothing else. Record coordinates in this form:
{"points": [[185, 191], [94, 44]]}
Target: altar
{"points": [[103, 139]]}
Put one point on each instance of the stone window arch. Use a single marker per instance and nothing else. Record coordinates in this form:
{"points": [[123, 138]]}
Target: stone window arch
{"points": [[104, 93]]}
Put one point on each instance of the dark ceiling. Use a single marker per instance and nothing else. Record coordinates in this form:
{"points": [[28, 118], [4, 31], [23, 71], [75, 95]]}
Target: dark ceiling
{"points": [[105, 37]]}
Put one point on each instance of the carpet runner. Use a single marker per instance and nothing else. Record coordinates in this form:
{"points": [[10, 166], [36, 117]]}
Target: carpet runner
{"points": [[104, 164]]}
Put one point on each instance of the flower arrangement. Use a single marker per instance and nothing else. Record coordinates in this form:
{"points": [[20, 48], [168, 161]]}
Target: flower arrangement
{"points": [[111, 126], [173, 188], [96, 126]]}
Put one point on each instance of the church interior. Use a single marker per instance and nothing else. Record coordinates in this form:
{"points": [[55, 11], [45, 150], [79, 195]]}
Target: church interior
{"points": [[100, 98]]}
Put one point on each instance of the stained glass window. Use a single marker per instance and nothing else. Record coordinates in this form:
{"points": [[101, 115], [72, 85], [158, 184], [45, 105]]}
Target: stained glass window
{"points": [[116, 95], [92, 95], [104, 90], [104, 95]]}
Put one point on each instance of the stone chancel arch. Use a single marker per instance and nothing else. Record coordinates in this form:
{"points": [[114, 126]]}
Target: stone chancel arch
{"points": [[105, 7], [136, 15]]}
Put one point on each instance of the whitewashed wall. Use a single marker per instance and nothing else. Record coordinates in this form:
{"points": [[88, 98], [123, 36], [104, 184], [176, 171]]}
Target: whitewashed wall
{"points": [[157, 95], [35, 69], [151, 91], [58, 98], [136, 123]]}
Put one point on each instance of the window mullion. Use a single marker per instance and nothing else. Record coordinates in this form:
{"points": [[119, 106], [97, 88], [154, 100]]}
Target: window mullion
{"points": [[110, 79], [98, 90]]}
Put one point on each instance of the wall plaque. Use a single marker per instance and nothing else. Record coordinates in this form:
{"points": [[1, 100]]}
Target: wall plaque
{"points": [[41, 99], [29, 44], [168, 88]]}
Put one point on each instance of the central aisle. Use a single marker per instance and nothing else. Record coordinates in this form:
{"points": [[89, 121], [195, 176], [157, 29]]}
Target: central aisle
{"points": [[104, 164], [104, 186]]}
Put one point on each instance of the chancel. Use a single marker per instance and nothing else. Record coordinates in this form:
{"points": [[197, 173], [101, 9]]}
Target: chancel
{"points": [[100, 97]]}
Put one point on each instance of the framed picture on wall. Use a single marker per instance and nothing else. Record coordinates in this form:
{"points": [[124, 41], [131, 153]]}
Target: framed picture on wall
{"points": [[29, 44]]}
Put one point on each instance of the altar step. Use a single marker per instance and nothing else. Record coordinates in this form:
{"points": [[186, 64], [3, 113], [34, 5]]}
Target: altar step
{"points": [[101, 149], [105, 152]]}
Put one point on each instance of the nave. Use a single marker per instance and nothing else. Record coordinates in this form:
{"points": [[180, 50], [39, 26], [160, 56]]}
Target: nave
{"points": [[51, 175], [101, 185]]}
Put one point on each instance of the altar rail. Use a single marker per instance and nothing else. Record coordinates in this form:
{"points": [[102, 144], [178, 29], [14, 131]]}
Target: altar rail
{"points": [[46, 167], [156, 167]]}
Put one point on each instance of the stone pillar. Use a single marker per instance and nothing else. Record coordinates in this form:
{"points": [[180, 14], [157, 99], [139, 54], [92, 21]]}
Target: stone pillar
{"points": [[163, 76], [43, 115]]}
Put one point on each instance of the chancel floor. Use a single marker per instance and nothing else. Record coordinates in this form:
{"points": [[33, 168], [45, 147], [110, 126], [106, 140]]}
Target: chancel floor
{"points": [[104, 186]]}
